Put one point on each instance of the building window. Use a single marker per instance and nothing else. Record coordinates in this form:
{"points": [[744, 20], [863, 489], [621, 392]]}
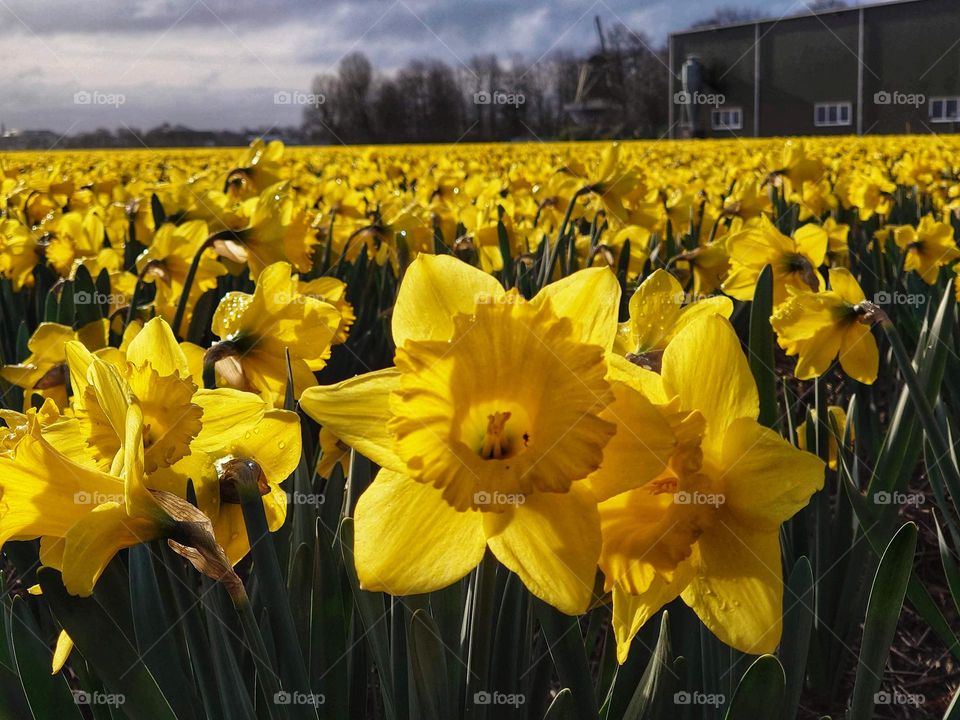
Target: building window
{"points": [[945, 109], [726, 119], [832, 114]]}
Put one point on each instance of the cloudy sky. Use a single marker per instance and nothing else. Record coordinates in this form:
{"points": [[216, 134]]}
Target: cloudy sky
{"points": [[70, 66]]}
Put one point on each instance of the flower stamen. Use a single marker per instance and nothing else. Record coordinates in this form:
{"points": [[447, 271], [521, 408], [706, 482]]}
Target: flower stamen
{"points": [[495, 445]]}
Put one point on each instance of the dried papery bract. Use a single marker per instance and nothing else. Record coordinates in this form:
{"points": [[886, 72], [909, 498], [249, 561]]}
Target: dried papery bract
{"points": [[191, 536]]}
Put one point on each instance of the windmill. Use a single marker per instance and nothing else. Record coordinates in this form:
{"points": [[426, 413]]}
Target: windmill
{"points": [[600, 98]]}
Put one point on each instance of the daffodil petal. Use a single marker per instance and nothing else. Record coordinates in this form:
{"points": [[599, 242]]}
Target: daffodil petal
{"points": [[591, 299], [654, 309], [705, 366], [640, 449], [409, 540], [356, 411], [819, 354], [846, 286], [552, 542], [225, 413], [156, 345], [42, 492], [435, 288], [812, 241], [61, 652], [647, 382], [738, 590], [859, 355], [719, 305], [631, 612], [766, 479], [274, 443], [94, 540]]}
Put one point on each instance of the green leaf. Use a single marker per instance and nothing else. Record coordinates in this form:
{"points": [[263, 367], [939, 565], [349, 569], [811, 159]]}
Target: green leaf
{"points": [[428, 666], [654, 697], [270, 582], [103, 644], [761, 347], [66, 311], [917, 594], [372, 613], [152, 622], [156, 207], [505, 251], [797, 625], [330, 620], [565, 644], [760, 692], [883, 612], [85, 297], [902, 442], [562, 707], [49, 695], [950, 568]]}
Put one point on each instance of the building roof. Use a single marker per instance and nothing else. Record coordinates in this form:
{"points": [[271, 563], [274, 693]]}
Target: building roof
{"points": [[797, 16]]}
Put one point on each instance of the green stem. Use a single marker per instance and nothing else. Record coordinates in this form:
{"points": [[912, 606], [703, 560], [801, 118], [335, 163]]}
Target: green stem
{"points": [[268, 678], [273, 586], [552, 259], [132, 310], [188, 284], [481, 633], [328, 249]]}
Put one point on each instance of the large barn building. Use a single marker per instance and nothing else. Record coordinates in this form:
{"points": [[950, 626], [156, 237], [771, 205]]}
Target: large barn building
{"points": [[881, 68]]}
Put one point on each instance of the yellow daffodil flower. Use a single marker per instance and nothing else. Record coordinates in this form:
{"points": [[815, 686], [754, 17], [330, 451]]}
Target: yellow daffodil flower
{"points": [[819, 326], [84, 515], [43, 372], [256, 330], [927, 247], [794, 260], [189, 433], [18, 254], [333, 291], [658, 311], [707, 529], [485, 429]]}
